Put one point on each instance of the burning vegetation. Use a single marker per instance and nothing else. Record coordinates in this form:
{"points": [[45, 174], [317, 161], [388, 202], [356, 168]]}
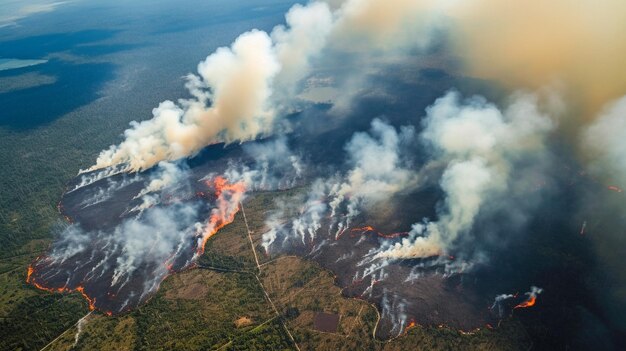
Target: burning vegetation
{"points": [[228, 199], [100, 265], [532, 298]]}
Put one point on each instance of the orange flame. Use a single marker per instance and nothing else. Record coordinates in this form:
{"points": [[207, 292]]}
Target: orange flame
{"points": [[368, 229], [29, 273], [92, 302], [528, 303], [229, 195], [412, 324]]}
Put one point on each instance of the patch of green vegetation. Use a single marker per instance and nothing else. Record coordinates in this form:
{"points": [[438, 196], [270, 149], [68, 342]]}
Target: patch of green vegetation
{"points": [[38, 319], [36, 164], [214, 259], [230, 249], [169, 322], [270, 336], [305, 275]]}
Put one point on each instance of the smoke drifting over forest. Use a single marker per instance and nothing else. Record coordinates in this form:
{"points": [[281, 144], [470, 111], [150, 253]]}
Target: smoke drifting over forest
{"points": [[430, 189]]}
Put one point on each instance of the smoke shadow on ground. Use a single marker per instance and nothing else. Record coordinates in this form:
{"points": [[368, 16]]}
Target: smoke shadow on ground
{"points": [[76, 85], [40, 45]]}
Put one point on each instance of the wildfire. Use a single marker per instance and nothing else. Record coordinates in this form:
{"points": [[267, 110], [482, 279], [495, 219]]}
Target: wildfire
{"points": [[29, 273], [370, 229], [29, 280], [528, 303], [64, 289], [412, 324], [363, 229], [229, 195], [532, 298], [91, 301]]}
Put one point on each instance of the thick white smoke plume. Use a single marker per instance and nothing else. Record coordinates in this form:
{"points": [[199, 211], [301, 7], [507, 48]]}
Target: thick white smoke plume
{"points": [[235, 80], [274, 166], [240, 90], [379, 169], [605, 141], [480, 145]]}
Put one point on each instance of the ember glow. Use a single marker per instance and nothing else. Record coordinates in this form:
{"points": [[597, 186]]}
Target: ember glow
{"points": [[229, 196], [80, 289], [532, 298], [528, 303], [370, 229], [92, 302], [412, 324], [119, 268]]}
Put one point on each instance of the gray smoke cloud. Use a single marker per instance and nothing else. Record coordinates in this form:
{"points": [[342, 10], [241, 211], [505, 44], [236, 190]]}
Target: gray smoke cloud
{"points": [[394, 310], [378, 167], [240, 90], [477, 145], [480, 146], [128, 261], [163, 226], [498, 303], [604, 146], [604, 142], [168, 176], [275, 166]]}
